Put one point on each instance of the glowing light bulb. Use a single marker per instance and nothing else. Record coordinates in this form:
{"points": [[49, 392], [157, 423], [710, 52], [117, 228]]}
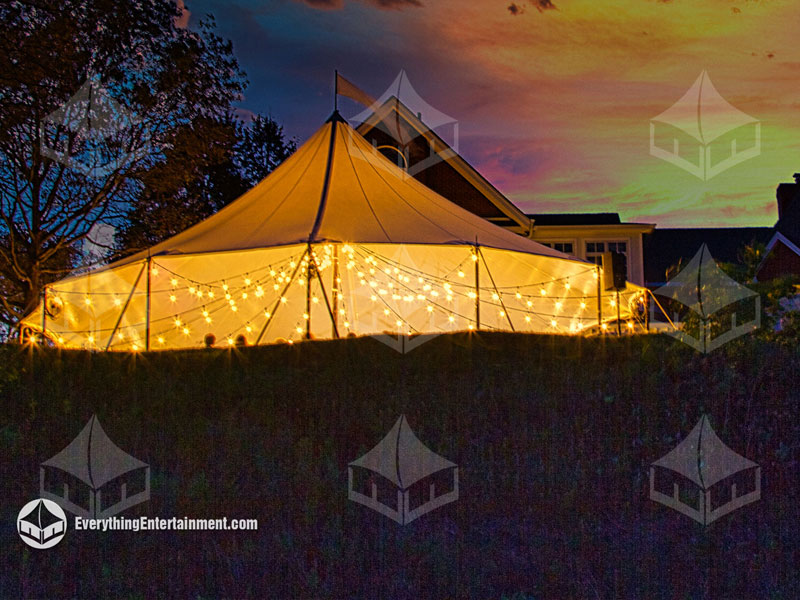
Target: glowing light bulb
{"points": [[347, 324], [174, 282], [249, 329], [234, 308], [604, 326], [117, 302], [199, 293], [495, 297], [474, 257], [630, 325], [558, 305], [225, 286], [267, 314], [305, 316], [210, 294], [185, 331], [172, 298], [461, 273], [120, 335], [566, 285], [529, 303], [90, 339], [502, 313], [178, 323], [135, 347], [451, 318], [192, 291], [283, 300], [527, 318], [399, 323], [230, 341], [88, 301], [208, 319], [160, 340], [583, 304], [543, 292], [247, 281], [519, 296], [430, 309], [299, 330], [553, 323], [244, 295]]}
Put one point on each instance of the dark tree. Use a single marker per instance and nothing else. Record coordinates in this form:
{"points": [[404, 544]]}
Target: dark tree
{"points": [[94, 96], [208, 166]]}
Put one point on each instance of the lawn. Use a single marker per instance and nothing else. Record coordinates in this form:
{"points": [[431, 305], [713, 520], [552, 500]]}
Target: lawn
{"points": [[553, 437]]}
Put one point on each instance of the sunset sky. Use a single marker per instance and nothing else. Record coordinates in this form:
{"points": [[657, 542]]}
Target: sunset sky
{"points": [[553, 101]]}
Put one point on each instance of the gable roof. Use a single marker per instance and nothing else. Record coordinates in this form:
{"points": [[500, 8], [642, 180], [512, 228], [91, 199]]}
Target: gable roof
{"points": [[392, 109]]}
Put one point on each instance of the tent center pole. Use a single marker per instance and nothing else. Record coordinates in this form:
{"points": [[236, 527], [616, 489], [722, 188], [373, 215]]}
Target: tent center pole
{"points": [[44, 313], [335, 291]]}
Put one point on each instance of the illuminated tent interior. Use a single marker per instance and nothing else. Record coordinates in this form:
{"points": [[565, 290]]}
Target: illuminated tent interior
{"points": [[337, 241]]}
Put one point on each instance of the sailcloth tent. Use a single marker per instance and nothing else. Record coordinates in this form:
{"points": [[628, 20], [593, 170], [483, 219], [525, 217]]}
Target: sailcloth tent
{"points": [[337, 241]]}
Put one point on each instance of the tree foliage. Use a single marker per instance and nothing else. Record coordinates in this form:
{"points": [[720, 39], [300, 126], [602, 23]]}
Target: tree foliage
{"points": [[154, 89]]}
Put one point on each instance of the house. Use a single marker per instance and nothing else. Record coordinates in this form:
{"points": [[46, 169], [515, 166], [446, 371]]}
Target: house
{"points": [[782, 255], [401, 135], [588, 235]]}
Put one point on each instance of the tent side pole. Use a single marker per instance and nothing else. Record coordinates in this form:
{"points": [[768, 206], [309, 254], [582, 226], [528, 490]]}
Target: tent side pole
{"points": [[147, 311], [125, 308], [311, 272], [599, 299], [335, 291], [328, 306], [477, 287], [278, 301], [44, 313], [505, 310]]}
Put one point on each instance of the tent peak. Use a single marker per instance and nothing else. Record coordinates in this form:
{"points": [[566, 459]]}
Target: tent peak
{"points": [[336, 116]]}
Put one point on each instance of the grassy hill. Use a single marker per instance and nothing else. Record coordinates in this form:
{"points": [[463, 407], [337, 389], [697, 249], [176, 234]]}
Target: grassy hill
{"points": [[553, 437]]}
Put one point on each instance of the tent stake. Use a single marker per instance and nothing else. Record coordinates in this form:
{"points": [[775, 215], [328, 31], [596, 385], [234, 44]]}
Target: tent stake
{"points": [[508, 316], [278, 301], [147, 316], [125, 308]]}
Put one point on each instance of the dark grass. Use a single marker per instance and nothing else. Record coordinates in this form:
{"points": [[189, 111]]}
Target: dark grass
{"points": [[552, 435]]}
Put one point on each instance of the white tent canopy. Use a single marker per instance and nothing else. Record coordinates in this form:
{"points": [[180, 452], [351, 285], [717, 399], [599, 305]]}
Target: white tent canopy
{"points": [[336, 241]]}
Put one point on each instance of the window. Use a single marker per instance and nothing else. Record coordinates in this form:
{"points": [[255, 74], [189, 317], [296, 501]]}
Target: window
{"points": [[565, 247], [594, 251]]}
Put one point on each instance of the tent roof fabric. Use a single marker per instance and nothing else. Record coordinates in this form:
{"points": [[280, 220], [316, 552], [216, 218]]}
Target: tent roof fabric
{"points": [[338, 188], [93, 458], [401, 458], [703, 458]]}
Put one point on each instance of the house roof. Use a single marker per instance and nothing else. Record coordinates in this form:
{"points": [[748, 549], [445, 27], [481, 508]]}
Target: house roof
{"points": [[664, 248], [576, 219], [703, 458], [93, 458], [401, 458], [414, 127]]}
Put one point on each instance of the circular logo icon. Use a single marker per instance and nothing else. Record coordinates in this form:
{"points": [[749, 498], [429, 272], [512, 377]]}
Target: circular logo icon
{"points": [[41, 523]]}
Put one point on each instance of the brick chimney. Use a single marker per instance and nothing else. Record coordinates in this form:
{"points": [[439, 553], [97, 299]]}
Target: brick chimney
{"points": [[787, 195]]}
